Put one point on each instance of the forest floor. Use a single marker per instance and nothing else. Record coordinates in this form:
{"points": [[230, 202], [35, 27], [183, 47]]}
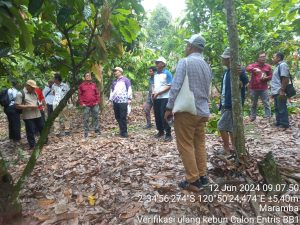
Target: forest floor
{"points": [[110, 180]]}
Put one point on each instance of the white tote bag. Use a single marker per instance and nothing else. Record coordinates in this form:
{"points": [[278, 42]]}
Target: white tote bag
{"points": [[185, 100]]}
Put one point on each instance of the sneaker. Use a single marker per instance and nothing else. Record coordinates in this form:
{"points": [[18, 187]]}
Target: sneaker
{"points": [[168, 137], [124, 135], [203, 181], [159, 134], [67, 133], [86, 134], [97, 132], [194, 186]]}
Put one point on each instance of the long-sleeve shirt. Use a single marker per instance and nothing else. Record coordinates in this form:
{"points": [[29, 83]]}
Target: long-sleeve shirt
{"points": [[199, 76], [12, 94], [41, 98], [226, 89], [60, 90], [49, 97], [256, 83], [120, 91], [88, 94]]}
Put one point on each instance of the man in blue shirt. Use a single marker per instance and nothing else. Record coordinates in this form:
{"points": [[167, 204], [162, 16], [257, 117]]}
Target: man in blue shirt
{"points": [[160, 96], [279, 82], [225, 124], [149, 103]]}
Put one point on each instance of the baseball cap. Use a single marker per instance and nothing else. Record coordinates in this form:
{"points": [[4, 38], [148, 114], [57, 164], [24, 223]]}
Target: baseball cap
{"points": [[31, 83], [119, 69], [226, 53], [196, 40], [161, 59]]}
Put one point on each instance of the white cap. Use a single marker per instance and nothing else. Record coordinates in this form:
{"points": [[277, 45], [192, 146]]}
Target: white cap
{"points": [[161, 59], [119, 69]]}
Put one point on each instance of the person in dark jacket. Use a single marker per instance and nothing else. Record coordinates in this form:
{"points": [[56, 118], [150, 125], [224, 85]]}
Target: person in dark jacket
{"points": [[225, 124]]}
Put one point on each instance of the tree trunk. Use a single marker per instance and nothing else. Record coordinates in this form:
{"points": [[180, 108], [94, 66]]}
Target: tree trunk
{"points": [[97, 69], [268, 169], [9, 208], [237, 112]]}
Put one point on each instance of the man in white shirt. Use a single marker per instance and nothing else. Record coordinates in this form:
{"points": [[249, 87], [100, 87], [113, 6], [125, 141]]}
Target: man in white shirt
{"points": [[49, 96], [162, 84], [60, 89]]}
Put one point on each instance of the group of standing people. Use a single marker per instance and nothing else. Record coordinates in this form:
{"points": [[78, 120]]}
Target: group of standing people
{"points": [[189, 126], [163, 96], [31, 103]]}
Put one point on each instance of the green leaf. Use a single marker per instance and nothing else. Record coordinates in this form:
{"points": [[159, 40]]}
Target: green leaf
{"points": [[63, 15], [87, 11], [34, 6], [126, 34], [296, 25], [123, 11]]}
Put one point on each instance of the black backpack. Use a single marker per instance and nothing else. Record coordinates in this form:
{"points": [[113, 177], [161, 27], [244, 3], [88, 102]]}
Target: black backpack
{"points": [[4, 98]]}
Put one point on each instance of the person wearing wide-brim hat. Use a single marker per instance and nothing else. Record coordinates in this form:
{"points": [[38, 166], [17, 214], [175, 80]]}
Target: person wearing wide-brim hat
{"points": [[27, 101]]}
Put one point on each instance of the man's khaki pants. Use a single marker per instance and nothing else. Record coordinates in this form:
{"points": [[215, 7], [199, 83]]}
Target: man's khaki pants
{"points": [[63, 120], [190, 139]]}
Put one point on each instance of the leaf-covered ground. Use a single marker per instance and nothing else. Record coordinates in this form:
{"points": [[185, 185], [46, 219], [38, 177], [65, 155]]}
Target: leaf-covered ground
{"points": [[111, 180]]}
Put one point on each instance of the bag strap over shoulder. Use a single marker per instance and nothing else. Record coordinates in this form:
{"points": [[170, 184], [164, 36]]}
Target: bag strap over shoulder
{"points": [[186, 66], [290, 75]]}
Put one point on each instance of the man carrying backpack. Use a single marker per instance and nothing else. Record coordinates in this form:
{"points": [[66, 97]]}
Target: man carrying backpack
{"points": [[13, 116]]}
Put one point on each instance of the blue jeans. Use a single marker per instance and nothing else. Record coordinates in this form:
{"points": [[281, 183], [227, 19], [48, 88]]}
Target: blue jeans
{"points": [[264, 96], [281, 111]]}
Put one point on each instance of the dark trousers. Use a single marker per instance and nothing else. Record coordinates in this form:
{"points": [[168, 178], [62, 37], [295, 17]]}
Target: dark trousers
{"points": [[49, 109], [281, 111], [36, 129], [14, 123], [31, 125], [120, 110], [159, 106]]}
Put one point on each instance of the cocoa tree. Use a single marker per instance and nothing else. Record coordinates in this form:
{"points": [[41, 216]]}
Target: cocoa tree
{"points": [[80, 33]]}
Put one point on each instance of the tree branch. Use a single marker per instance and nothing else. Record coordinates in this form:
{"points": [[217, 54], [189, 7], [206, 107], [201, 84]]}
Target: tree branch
{"points": [[88, 50], [64, 31]]}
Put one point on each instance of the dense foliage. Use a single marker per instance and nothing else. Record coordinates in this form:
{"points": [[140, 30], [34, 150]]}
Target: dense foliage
{"points": [[33, 43]]}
